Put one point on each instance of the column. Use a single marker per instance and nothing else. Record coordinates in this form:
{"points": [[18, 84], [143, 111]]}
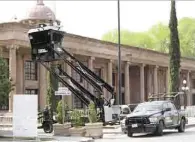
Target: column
{"points": [[13, 71], [167, 80], [189, 94], [43, 83], [90, 66], [109, 75], [156, 80], [20, 74], [104, 75], [149, 82], [142, 82], [69, 99], [127, 90]]}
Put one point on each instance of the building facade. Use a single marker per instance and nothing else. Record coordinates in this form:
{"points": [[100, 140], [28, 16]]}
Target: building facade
{"points": [[144, 72]]}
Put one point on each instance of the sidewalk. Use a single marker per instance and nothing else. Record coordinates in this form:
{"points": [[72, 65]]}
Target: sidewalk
{"points": [[115, 129], [191, 122], [7, 135]]}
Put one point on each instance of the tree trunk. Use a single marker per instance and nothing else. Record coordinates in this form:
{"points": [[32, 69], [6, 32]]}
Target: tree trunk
{"points": [[174, 53]]}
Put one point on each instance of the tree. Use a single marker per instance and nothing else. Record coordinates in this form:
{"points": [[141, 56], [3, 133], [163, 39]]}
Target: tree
{"points": [[186, 29], [174, 52], [6, 85], [138, 39], [52, 87], [158, 37]]}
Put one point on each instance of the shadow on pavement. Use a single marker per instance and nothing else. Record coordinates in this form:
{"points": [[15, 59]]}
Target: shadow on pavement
{"points": [[167, 133]]}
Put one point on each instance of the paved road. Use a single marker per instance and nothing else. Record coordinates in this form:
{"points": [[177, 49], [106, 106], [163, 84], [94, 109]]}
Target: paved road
{"points": [[171, 135]]}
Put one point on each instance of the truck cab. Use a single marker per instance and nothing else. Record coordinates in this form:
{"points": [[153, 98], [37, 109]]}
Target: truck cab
{"points": [[154, 117]]}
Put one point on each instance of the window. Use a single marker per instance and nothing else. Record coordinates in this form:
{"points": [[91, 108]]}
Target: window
{"points": [[165, 106], [30, 70], [77, 103], [31, 91], [77, 77], [122, 79], [170, 105], [123, 98], [113, 79], [98, 72], [125, 110]]}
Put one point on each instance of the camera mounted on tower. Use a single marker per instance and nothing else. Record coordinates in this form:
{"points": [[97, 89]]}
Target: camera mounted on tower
{"points": [[45, 42]]}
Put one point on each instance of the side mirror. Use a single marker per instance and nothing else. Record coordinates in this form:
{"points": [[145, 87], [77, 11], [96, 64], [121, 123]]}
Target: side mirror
{"points": [[168, 109]]}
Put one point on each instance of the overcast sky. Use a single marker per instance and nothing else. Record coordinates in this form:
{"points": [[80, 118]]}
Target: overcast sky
{"points": [[94, 18]]}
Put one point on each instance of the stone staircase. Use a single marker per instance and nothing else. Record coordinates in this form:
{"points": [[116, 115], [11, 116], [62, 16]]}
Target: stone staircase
{"points": [[5, 120]]}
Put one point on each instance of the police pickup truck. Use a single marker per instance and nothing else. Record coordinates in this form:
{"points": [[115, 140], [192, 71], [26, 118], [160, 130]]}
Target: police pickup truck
{"points": [[154, 117]]}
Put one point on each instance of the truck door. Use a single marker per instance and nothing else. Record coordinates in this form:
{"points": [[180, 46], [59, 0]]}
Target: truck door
{"points": [[174, 113], [168, 120]]}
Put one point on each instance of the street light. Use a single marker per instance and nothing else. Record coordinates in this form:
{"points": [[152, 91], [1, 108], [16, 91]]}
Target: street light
{"points": [[185, 88], [119, 55]]}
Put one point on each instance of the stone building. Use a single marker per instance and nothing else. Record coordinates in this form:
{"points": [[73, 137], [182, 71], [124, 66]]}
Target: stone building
{"points": [[143, 71]]}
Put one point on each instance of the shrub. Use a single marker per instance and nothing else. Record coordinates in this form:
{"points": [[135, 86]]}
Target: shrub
{"points": [[59, 112], [92, 113], [76, 118]]}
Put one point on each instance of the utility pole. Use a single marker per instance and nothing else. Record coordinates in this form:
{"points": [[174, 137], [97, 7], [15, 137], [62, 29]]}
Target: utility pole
{"points": [[119, 55]]}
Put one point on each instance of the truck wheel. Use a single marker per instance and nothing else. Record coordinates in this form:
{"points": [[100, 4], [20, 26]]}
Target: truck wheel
{"points": [[159, 129], [129, 133], [181, 127]]}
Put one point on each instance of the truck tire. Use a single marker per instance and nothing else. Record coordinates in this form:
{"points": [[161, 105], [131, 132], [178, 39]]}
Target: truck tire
{"points": [[159, 129], [181, 127], [129, 133]]}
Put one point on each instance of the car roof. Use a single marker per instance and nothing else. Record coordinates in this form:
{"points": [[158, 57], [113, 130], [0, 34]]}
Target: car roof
{"points": [[156, 102]]}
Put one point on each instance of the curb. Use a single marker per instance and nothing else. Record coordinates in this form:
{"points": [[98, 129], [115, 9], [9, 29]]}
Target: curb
{"points": [[111, 127], [88, 141], [190, 126]]}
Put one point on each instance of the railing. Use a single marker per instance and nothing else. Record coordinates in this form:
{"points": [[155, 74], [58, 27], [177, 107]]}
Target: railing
{"points": [[6, 122], [172, 96]]}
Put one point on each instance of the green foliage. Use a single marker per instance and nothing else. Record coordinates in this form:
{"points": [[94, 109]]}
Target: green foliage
{"points": [[50, 91], [52, 86], [76, 118], [174, 51], [60, 113], [6, 85], [158, 37], [92, 113]]}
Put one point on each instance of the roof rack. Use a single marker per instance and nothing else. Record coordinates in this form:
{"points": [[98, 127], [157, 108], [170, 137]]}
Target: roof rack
{"points": [[165, 96]]}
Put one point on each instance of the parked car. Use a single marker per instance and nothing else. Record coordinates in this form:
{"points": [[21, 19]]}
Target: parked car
{"points": [[123, 127], [125, 110], [154, 117], [132, 106]]}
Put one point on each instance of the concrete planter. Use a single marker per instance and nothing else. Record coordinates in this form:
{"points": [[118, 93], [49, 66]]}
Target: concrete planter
{"points": [[62, 129], [94, 130], [77, 131]]}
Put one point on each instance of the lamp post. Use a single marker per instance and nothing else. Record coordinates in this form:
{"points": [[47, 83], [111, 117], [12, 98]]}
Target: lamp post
{"points": [[119, 55], [185, 88]]}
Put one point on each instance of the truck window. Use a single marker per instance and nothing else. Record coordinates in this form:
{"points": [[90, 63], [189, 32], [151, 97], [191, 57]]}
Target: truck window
{"points": [[170, 105], [125, 111], [165, 105]]}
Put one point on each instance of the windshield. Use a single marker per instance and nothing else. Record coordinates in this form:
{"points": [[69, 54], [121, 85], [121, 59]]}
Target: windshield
{"points": [[148, 107]]}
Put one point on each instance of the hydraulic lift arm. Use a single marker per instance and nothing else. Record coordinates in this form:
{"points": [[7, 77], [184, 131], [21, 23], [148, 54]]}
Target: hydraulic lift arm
{"points": [[76, 92], [80, 87], [46, 46], [86, 73]]}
